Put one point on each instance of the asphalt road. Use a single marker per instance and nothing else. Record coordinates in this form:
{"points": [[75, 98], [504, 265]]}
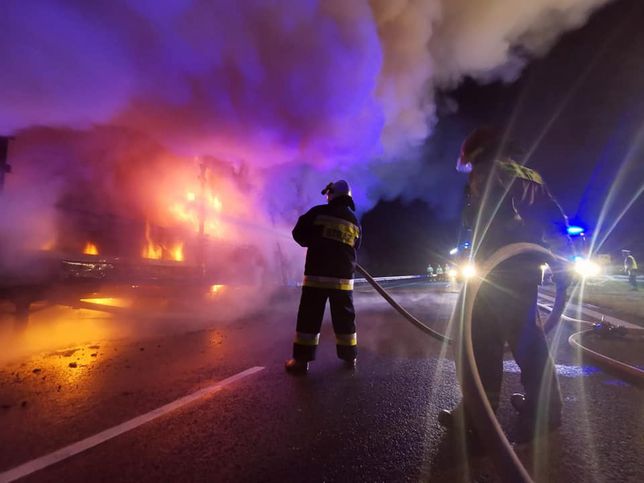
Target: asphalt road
{"points": [[375, 424]]}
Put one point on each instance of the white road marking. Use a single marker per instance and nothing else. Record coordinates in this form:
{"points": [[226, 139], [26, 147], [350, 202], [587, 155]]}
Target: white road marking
{"points": [[87, 443]]}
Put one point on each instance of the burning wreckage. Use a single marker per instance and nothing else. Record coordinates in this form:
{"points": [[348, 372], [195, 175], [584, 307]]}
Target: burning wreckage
{"points": [[95, 252]]}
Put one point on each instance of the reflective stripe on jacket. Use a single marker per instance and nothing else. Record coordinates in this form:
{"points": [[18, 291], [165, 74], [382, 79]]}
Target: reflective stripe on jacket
{"points": [[338, 229], [515, 207], [332, 235]]}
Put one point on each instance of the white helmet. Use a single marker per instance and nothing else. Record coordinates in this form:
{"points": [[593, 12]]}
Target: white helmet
{"points": [[337, 189]]}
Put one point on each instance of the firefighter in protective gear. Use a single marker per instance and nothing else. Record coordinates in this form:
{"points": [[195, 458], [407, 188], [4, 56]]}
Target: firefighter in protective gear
{"points": [[332, 236], [630, 267], [509, 203], [439, 273], [430, 271]]}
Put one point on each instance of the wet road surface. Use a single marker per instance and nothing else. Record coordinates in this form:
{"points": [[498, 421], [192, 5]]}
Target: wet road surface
{"points": [[375, 424]]}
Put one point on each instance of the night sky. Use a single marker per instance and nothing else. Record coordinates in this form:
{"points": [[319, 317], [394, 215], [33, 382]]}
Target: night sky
{"points": [[580, 109]]}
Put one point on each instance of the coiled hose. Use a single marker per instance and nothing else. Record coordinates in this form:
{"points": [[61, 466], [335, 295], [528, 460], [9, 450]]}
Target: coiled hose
{"points": [[507, 463], [627, 372]]}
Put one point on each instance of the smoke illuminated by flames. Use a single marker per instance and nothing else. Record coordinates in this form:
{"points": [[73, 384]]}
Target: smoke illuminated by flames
{"points": [[275, 98]]}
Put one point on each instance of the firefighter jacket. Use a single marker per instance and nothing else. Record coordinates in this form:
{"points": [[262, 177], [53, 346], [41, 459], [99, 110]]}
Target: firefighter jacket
{"points": [[515, 206], [332, 235]]}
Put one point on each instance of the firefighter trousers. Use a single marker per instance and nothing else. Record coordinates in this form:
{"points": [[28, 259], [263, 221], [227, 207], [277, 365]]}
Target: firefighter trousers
{"points": [[309, 322], [505, 311]]}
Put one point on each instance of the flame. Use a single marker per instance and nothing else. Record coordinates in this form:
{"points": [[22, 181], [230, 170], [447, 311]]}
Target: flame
{"points": [[188, 210], [158, 251], [176, 252], [109, 301], [215, 288], [151, 250], [214, 202], [90, 249]]}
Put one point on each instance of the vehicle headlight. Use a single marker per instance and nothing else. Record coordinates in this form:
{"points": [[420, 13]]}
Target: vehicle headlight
{"points": [[468, 271], [587, 268]]}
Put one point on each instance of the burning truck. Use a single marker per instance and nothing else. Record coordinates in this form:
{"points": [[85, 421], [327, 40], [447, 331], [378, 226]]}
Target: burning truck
{"points": [[182, 243]]}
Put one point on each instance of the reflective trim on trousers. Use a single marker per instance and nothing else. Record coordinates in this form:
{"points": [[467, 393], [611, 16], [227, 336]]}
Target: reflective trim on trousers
{"points": [[302, 338], [346, 339], [327, 282]]}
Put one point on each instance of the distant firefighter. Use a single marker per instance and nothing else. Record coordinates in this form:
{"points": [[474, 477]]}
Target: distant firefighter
{"points": [[430, 271], [512, 204], [630, 268], [439, 272], [332, 235]]}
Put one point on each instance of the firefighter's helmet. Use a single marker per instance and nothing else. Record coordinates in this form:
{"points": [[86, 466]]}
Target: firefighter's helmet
{"points": [[337, 189], [476, 146]]}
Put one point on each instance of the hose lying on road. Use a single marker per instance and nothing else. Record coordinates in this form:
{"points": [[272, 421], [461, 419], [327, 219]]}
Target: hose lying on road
{"points": [[622, 370]]}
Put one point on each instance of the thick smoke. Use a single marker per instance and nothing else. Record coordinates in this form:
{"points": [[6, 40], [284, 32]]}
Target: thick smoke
{"points": [[122, 96]]}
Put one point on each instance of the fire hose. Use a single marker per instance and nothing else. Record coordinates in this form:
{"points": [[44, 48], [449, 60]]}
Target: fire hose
{"points": [[508, 465], [627, 372], [401, 310]]}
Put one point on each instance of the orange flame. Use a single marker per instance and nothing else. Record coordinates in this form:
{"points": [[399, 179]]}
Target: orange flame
{"points": [[176, 252], [157, 251], [90, 249], [188, 210], [151, 250]]}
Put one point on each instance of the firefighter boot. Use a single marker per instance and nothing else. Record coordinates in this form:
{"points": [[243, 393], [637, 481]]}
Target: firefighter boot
{"points": [[296, 368]]}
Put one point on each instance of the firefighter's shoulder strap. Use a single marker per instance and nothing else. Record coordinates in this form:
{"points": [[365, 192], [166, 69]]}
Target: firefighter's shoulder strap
{"points": [[519, 171]]}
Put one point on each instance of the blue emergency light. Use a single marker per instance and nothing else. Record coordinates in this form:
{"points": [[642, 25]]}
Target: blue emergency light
{"points": [[575, 230]]}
